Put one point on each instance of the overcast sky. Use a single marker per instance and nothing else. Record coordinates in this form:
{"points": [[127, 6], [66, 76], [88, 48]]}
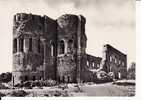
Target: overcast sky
{"points": [[107, 22]]}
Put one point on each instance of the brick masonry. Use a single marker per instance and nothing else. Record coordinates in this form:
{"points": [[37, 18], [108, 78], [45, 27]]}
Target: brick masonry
{"points": [[44, 48]]}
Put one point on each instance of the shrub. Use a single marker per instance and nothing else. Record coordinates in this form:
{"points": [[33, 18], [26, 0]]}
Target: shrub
{"points": [[77, 89], [3, 86], [18, 85], [5, 77], [27, 84], [90, 83], [29, 87], [47, 95], [57, 93], [65, 94], [63, 86], [18, 93], [2, 95], [111, 75], [31, 84], [103, 77], [49, 83], [131, 74]]}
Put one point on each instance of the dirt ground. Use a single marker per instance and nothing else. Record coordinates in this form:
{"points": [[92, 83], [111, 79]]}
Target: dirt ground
{"points": [[107, 89]]}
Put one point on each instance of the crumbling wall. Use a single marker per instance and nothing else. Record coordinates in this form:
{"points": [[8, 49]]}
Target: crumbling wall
{"points": [[44, 48], [89, 63], [71, 46], [114, 61], [50, 34], [66, 58], [93, 62], [32, 36]]}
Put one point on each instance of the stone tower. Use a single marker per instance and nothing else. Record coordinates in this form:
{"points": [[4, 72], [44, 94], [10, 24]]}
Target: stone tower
{"points": [[44, 48], [34, 43], [71, 46]]}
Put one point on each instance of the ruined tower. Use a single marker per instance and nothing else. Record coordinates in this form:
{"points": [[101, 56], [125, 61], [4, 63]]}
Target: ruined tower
{"points": [[34, 46], [114, 61], [71, 46], [44, 48]]}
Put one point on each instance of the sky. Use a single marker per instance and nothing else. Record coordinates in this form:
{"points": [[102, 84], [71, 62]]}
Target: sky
{"points": [[107, 22]]}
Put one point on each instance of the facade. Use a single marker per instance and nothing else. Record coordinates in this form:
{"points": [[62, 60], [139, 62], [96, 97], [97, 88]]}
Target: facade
{"points": [[44, 48], [91, 63], [114, 61]]}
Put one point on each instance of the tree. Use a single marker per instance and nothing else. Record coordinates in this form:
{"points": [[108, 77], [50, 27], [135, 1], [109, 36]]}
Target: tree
{"points": [[131, 74], [5, 77]]}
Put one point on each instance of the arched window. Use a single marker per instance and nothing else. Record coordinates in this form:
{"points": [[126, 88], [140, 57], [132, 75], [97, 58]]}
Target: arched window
{"points": [[87, 63], [62, 47], [52, 49], [98, 65], [15, 45], [119, 62], [110, 58], [93, 64], [30, 44], [115, 60], [21, 44], [122, 63], [70, 46]]}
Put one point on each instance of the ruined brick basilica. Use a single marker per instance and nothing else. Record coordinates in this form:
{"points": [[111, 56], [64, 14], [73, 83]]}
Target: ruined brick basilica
{"points": [[44, 48]]}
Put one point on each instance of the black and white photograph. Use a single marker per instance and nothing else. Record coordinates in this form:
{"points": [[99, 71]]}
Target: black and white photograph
{"points": [[67, 48]]}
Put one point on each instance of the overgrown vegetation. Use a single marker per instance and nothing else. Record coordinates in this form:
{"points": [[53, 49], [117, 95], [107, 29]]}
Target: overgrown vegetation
{"points": [[2, 94], [63, 86], [103, 77], [39, 83], [131, 71], [57, 93], [77, 89], [5, 77], [18, 93], [2, 86]]}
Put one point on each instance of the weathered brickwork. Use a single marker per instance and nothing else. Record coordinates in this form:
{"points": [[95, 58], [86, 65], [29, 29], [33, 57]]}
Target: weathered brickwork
{"points": [[114, 61], [93, 62], [89, 63], [69, 30], [44, 48], [33, 36]]}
